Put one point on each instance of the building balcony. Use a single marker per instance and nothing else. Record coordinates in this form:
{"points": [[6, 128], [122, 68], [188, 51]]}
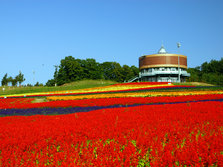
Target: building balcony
{"points": [[154, 73]]}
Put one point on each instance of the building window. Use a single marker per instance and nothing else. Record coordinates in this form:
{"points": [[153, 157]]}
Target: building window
{"points": [[162, 69]]}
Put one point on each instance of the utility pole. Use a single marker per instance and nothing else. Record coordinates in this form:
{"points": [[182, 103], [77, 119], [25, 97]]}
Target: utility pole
{"points": [[33, 77], [56, 73], [178, 46]]}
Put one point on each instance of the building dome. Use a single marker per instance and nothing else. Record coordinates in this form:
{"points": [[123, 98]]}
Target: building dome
{"points": [[162, 50]]}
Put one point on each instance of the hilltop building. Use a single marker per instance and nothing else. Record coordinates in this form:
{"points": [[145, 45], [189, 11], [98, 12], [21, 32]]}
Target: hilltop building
{"points": [[162, 67]]}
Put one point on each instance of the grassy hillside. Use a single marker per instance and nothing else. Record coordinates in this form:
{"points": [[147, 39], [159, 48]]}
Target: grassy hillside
{"points": [[194, 83], [94, 83], [71, 86]]}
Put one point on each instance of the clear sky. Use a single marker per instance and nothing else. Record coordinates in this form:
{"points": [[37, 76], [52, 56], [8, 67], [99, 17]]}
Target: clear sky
{"points": [[36, 34]]}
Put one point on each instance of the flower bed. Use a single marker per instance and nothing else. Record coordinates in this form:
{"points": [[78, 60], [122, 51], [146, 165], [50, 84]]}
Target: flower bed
{"points": [[108, 89], [109, 128], [164, 135], [134, 94], [85, 105]]}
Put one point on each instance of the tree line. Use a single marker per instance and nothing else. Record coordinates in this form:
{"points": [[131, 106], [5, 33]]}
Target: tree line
{"points": [[14, 81], [71, 69], [211, 72]]}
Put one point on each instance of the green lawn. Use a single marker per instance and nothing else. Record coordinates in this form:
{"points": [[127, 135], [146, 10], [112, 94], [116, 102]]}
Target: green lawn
{"points": [[71, 86], [193, 83]]}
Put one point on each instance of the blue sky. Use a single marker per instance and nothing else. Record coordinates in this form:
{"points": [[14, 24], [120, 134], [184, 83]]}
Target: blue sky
{"points": [[36, 34]]}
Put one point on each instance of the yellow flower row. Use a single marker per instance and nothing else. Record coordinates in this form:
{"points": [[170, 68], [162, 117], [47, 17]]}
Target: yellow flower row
{"points": [[97, 89], [134, 94], [113, 88]]}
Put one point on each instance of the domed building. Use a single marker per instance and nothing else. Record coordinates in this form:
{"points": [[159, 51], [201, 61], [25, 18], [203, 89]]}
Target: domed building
{"points": [[163, 67]]}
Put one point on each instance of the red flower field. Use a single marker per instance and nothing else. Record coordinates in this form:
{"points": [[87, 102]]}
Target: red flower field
{"points": [[182, 134], [23, 103]]}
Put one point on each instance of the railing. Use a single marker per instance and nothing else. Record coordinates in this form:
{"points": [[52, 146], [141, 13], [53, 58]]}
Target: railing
{"points": [[153, 73], [133, 79]]}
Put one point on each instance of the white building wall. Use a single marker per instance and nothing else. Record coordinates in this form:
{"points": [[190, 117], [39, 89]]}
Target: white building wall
{"points": [[162, 74]]}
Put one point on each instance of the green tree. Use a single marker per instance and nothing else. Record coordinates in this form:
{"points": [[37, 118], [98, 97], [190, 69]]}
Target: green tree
{"points": [[50, 82], [14, 82], [135, 70], [195, 74], [112, 71], [221, 66], [117, 71], [19, 78], [107, 70], [205, 67], [10, 80], [91, 69], [5, 80], [211, 72], [127, 72], [38, 84], [69, 70]]}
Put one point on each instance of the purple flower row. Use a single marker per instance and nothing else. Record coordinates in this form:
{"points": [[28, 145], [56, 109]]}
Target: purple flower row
{"points": [[69, 110]]}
